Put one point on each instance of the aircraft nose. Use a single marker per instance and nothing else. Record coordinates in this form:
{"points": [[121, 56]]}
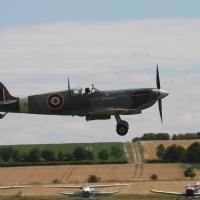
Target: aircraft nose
{"points": [[161, 94]]}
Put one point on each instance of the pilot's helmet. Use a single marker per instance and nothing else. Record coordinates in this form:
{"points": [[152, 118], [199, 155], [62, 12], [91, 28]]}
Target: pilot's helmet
{"points": [[87, 90]]}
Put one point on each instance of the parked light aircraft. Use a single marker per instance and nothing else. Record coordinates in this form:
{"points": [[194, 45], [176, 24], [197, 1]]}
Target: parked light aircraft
{"points": [[88, 191], [191, 191], [94, 105]]}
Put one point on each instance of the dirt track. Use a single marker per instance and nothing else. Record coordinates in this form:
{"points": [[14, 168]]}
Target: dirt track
{"points": [[78, 174]]}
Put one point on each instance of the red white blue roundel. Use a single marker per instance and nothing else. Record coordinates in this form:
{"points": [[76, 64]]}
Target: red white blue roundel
{"points": [[55, 101]]}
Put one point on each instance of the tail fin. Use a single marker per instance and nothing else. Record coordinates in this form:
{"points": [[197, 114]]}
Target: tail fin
{"points": [[4, 94], [5, 97]]}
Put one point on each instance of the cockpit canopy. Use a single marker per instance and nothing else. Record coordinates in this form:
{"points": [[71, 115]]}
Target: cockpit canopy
{"points": [[76, 91]]}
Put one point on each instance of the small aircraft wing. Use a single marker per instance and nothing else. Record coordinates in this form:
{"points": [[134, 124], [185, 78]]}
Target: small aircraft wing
{"points": [[115, 111], [105, 193], [80, 187], [62, 186], [111, 185], [166, 192], [16, 186], [7, 102]]}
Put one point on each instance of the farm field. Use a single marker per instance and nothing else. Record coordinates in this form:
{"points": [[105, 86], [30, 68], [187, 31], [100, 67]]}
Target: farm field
{"points": [[170, 177], [149, 147], [80, 173], [69, 147]]}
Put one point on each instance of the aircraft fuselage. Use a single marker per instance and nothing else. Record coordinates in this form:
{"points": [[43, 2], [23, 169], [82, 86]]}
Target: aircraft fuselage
{"points": [[63, 103]]}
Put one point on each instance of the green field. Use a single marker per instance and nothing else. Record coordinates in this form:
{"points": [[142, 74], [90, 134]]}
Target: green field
{"points": [[69, 147], [113, 197]]}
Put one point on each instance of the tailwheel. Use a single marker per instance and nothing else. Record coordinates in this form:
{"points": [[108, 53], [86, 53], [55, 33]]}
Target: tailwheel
{"points": [[122, 129]]}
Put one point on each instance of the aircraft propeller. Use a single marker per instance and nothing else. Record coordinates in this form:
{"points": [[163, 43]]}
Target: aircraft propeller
{"points": [[160, 95]]}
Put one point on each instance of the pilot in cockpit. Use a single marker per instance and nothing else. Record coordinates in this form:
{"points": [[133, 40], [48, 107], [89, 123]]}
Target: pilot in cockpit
{"points": [[87, 90]]}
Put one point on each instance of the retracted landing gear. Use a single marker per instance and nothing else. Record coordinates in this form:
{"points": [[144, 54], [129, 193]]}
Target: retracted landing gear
{"points": [[3, 115], [122, 126]]}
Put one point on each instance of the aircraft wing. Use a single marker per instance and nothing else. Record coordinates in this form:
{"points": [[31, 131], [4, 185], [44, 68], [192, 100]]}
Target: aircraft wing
{"points": [[105, 193], [62, 186], [119, 111], [111, 185], [16, 186], [76, 194], [166, 192], [7, 102]]}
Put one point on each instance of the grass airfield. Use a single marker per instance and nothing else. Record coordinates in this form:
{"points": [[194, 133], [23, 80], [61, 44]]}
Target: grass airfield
{"points": [[113, 197]]}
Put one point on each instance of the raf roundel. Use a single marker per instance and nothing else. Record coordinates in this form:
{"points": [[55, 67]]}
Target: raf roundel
{"points": [[55, 101]]}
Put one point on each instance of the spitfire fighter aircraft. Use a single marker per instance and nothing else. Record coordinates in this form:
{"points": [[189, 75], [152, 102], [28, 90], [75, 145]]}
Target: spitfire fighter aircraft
{"points": [[94, 104], [191, 191], [88, 191]]}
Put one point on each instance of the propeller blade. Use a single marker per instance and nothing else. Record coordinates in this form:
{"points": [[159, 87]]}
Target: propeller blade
{"points": [[68, 85], [160, 109], [157, 78]]}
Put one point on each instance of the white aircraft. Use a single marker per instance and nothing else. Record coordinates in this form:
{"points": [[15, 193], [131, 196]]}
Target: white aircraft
{"points": [[191, 191], [88, 191], [15, 186]]}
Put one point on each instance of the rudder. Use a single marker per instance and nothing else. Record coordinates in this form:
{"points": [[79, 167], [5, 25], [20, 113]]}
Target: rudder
{"points": [[4, 94]]}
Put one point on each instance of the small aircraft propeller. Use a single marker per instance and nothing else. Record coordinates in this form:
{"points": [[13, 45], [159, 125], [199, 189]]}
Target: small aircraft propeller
{"points": [[68, 85], [157, 78], [161, 94]]}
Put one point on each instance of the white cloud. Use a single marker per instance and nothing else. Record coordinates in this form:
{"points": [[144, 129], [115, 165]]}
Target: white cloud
{"points": [[111, 55]]}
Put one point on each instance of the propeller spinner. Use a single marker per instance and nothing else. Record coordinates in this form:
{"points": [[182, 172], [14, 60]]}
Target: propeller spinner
{"points": [[160, 94]]}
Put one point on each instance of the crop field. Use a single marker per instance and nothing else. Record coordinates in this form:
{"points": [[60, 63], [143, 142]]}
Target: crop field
{"points": [[163, 171], [65, 173], [80, 173], [69, 147], [170, 178], [149, 147]]}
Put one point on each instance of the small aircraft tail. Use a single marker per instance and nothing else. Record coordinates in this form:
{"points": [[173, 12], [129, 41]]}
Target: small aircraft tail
{"points": [[4, 94], [5, 97]]}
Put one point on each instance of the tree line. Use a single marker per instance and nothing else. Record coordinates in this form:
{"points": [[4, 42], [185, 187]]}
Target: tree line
{"points": [[8, 154], [177, 153], [166, 136]]}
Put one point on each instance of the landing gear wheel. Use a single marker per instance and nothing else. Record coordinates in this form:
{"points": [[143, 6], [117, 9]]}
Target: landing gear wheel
{"points": [[124, 122], [122, 129]]}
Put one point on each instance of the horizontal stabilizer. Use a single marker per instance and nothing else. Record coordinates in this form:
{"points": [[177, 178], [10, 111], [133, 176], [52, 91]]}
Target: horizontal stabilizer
{"points": [[70, 194], [105, 193], [7, 102]]}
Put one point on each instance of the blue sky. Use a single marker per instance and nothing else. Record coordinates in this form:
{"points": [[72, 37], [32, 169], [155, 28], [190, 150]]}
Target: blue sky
{"points": [[47, 11], [111, 44]]}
